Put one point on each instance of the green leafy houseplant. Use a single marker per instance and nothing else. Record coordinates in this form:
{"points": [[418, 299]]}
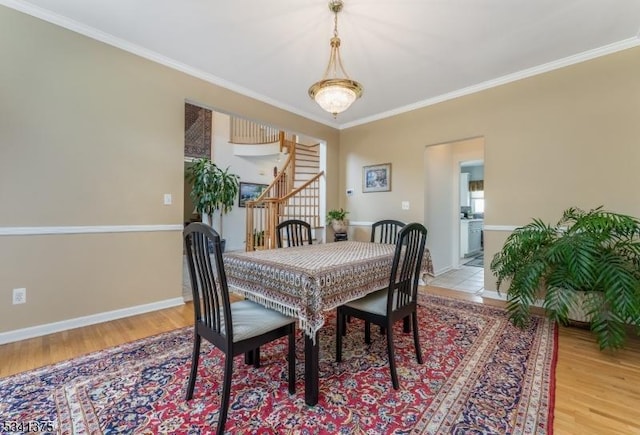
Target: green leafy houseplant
{"points": [[337, 219], [214, 189], [588, 261], [336, 215]]}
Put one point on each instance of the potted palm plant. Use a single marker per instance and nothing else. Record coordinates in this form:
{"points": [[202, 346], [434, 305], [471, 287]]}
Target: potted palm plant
{"points": [[338, 220], [214, 189], [585, 268]]}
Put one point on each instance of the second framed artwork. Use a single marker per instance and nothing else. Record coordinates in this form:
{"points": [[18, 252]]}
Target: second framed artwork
{"points": [[249, 192], [376, 178]]}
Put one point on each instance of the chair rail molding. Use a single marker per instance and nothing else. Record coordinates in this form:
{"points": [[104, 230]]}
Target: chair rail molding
{"points": [[500, 227], [360, 223], [90, 229]]}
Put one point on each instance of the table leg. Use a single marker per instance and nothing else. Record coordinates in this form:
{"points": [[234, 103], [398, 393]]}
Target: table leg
{"points": [[248, 357], [311, 370]]}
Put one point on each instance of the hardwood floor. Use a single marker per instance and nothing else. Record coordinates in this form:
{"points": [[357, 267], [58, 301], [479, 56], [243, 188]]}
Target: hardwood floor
{"points": [[596, 392]]}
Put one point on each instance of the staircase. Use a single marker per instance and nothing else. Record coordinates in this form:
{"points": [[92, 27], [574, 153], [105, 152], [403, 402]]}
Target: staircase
{"points": [[303, 197], [293, 194]]}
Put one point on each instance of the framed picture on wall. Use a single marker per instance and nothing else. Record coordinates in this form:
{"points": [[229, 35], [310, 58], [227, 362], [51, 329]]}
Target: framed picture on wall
{"points": [[376, 178], [249, 192]]}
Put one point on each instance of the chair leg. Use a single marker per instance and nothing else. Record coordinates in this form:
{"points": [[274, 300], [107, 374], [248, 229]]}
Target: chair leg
{"points": [[341, 329], [416, 338], [292, 360], [392, 357], [367, 332], [226, 392], [256, 357], [345, 320], [195, 357], [406, 325]]}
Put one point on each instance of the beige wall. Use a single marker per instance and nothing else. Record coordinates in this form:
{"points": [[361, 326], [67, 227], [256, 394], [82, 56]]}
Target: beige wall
{"points": [[93, 136], [570, 137]]}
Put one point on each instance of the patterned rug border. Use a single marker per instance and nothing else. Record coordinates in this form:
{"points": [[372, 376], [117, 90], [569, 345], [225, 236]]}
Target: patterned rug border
{"points": [[172, 335], [496, 310]]}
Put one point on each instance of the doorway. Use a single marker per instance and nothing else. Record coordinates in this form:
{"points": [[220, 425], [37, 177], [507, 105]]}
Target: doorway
{"points": [[471, 210], [444, 192]]}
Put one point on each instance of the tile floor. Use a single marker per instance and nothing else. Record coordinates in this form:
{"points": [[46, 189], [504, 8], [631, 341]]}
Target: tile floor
{"points": [[467, 279]]}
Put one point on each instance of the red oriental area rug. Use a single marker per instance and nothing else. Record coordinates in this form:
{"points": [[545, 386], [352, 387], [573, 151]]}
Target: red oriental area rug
{"points": [[481, 375]]}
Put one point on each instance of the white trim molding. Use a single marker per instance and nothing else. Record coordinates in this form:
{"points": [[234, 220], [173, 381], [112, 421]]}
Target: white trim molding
{"points": [[360, 224], [91, 229], [38, 231], [107, 38], [91, 32], [486, 227], [493, 295], [530, 72], [503, 297], [441, 271], [49, 328], [500, 227]]}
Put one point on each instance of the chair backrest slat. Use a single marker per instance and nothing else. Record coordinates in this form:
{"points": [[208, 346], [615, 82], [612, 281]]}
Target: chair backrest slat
{"points": [[386, 231], [294, 232], [208, 280], [407, 263]]}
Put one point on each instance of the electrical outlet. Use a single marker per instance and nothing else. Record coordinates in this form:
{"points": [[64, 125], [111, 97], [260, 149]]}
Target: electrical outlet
{"points": [[167, 199], [19, 296]]}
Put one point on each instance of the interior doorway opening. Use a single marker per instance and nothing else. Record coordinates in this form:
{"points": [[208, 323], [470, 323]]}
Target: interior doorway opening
{"points": [[472, 209], [450, 210]]}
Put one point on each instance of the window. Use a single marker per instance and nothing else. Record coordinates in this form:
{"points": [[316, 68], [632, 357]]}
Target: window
{"points": [[477, 201]]}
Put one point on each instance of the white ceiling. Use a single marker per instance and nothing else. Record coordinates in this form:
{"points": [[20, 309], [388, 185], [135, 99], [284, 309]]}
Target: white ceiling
{"points": [[406, 53]]}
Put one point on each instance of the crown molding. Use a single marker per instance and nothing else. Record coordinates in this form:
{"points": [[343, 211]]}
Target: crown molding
{"points": [[107, 38], [530, 72]]}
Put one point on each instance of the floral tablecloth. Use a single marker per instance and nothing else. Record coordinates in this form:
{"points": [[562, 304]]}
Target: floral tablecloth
{"points": [[307, 280]]}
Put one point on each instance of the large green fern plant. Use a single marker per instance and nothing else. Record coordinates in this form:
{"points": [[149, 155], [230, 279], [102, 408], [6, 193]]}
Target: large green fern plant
{"points": [[594, 254]]}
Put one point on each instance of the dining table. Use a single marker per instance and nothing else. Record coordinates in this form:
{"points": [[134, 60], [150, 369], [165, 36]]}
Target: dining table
{"points": [[307, 281]]}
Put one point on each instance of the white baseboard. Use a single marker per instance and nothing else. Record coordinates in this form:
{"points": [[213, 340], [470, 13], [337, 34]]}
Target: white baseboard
{"points": [[493, 295], [503, 297], [442, 270], [49, 328]]}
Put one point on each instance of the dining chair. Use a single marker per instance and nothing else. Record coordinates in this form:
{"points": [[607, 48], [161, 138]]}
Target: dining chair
{"points": [[386, 231], [393, 303], [234, 328], [295, 232]]}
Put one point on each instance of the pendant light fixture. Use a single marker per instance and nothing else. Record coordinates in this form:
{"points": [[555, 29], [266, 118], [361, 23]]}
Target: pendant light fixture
{"points": [[336, 91]]}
